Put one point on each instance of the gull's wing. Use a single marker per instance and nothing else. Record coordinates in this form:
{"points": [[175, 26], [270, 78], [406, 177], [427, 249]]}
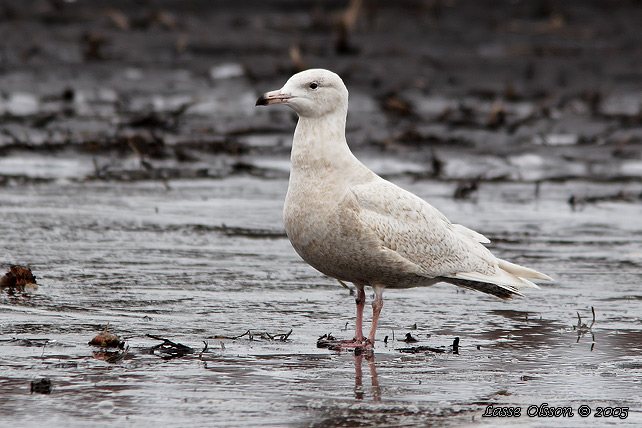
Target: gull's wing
{"points": [[419, 233]]}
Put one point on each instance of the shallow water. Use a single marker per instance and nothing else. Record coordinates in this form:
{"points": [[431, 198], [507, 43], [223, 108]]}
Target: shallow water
{"points": [[508, 94], [192, 261]]}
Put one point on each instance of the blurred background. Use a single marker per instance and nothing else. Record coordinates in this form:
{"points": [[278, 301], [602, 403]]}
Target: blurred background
{"points": [[129, 90]]}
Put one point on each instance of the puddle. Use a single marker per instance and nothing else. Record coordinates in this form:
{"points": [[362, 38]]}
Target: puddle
{"points": [[201, 262], [145, 191]]}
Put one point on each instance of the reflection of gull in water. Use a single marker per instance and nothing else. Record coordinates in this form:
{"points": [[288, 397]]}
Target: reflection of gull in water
{"points": [[358, 376], [352, 225]]}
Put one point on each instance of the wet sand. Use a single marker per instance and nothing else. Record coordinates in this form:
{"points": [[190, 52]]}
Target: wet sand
{"points": [[144, 190], [148, 260]]}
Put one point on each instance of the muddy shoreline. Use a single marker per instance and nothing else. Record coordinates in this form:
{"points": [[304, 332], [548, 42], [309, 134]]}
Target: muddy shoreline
{"points": [[536, 90], [144, 190]]}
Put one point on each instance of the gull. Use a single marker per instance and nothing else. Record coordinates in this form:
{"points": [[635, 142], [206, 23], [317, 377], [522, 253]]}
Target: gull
{"points": [[352, 225]]}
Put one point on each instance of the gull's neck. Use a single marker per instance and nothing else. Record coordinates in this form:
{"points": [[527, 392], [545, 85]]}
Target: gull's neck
{"points": [[320, 143]]}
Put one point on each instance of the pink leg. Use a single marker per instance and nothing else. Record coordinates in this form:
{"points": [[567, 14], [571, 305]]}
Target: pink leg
{"points": [[361, 303], [359, 339], [377, 304]]}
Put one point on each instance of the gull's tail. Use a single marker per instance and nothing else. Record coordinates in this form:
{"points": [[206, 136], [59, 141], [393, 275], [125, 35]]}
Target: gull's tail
{"points": [[504, 283]]}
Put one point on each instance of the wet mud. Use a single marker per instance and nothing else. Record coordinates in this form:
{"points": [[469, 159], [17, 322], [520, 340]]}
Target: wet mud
{"points": [[144, 191]]}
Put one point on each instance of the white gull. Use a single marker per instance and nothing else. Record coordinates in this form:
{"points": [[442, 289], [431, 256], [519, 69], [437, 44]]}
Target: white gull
{"points": [[352, 225]]}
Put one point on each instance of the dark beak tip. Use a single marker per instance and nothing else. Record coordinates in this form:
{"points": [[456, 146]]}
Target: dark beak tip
{"points": [[262, 101]]}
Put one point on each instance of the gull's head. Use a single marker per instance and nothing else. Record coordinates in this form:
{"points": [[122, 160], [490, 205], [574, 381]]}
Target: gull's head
{"points": [[310, 93]]}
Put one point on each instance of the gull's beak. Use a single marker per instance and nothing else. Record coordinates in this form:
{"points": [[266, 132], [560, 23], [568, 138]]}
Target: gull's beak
{"points": [[272, 97]]}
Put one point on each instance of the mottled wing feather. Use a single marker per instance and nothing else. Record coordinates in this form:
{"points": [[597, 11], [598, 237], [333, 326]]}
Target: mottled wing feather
{"points": [[419, 233]]}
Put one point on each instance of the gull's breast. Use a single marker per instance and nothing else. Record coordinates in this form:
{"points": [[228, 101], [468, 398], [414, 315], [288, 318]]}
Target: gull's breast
{"points": [[326, 231]]}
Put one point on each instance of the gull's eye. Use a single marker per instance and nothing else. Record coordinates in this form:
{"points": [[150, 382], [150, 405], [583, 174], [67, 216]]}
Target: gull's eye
{"points": [[314, 85]]}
